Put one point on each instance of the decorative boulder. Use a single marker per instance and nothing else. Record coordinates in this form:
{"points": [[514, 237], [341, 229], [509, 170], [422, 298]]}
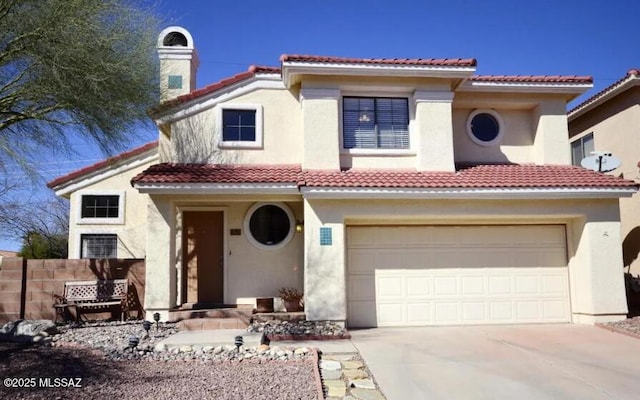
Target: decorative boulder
{"points": [[23, 330]]}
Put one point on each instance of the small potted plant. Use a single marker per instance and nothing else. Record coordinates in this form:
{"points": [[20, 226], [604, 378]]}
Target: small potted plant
{"points": [[292, 298]]}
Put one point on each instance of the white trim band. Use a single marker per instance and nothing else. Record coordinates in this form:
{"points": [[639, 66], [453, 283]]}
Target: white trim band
{"points": [[217, 188], [464, 193]]}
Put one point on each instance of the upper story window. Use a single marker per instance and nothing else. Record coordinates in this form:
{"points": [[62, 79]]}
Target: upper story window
{"points": [[240, 125], [485, 127], [375, 123], [101, 208], [581, 148]]}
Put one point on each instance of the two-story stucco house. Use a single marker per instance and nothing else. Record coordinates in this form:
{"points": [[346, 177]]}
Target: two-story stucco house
{"points": [[609, 121], [391, 191]]}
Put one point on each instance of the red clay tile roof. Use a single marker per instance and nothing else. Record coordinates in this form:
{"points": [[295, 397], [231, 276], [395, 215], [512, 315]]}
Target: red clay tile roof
{"points": [[102, 164], [250, 73], [532, 78], [632, 74], [447, 62], [215, 173], [481, 176]]}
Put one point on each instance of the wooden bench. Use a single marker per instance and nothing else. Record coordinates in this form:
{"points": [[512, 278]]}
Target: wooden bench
{"points": [[84, 295]]}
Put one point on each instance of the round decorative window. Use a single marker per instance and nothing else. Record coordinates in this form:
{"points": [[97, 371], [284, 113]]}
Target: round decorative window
{"points": [[269, 225], [484, 127]]}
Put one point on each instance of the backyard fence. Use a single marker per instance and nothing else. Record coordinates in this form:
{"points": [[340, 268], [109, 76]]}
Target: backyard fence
{"points": [[28, 287]]}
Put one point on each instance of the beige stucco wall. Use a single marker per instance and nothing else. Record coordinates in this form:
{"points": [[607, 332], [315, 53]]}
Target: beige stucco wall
{"points": [[516, 144], [131, 232], [195, 139], [250, 272], [616, 129], [595, 265]]}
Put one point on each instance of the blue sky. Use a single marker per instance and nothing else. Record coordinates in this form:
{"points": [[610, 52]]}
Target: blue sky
{"points": [[538, 37]]}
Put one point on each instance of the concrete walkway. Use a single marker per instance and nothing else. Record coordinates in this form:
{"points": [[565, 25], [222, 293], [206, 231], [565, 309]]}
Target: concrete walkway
{"points": [[534, 362], [227, 336]]}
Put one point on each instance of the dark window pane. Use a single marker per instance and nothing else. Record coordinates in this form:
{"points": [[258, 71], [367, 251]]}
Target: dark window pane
{"points": [[239, 125], [231, 133], [100, 206], [485, 127], [269, 225]]}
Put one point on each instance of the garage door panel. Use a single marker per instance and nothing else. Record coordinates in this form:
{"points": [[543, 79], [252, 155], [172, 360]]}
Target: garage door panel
{"points": [[500, 286], [418, 313], [362, 313], [391, 314], [474, 312], [473, 285], [389, 287], [362, 287], [445, 285], [446, 312], [463, 275], [418, 286]]}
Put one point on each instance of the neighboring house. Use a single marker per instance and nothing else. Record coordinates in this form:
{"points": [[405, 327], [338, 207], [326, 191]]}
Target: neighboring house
{"points": [[107, 217], [609, 122], [392, 191]]}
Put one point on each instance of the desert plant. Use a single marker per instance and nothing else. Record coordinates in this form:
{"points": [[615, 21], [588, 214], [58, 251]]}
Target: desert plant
{"points": [[290, 294]]}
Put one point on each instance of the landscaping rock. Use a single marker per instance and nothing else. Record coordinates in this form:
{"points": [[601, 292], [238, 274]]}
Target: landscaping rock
{"points": [[330, 365], [367, 394], [355, 374], [331, 374], [352, 364], [362, 384]]}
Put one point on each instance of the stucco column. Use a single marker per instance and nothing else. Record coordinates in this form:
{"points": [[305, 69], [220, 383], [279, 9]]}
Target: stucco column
{"points": [[324, 265], [321, 118], [597, 274], [434, 126], [160, 277], [551, 141]]}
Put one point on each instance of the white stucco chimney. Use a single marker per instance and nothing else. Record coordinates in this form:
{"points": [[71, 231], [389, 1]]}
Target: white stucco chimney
{"points": [[178, 62]]}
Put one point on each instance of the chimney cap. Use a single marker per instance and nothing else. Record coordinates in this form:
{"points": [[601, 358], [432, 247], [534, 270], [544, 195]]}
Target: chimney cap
{"points": [[175, 37]]}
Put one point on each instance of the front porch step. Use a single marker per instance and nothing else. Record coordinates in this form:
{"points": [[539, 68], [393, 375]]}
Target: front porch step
{"points": [[243, 314], [203, 324]]}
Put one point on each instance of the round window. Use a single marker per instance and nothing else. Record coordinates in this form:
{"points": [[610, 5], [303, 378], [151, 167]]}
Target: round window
{"points": [[269, 225], [484, 127]]}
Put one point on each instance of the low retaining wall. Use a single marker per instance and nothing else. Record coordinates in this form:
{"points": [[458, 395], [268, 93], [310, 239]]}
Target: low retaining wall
{"points": [[27, 287]]}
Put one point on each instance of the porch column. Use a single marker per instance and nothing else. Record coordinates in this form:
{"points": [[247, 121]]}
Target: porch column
{"points": [[160, 277], [324, 272], [597, 274]]}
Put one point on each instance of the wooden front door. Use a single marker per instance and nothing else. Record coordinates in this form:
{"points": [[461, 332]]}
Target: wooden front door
{"points": [[203, 258]]}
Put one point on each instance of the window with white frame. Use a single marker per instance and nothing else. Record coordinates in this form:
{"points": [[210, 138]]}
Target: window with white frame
{"points": [[98, 207], [375, 123], [99, 246], [581, 148], [240, 125]]}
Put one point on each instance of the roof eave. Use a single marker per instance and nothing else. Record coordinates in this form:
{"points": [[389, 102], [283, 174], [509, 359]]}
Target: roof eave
{"points": [[292, 69], [467, 193], [603, 97], [573, 90], [217, 188]]}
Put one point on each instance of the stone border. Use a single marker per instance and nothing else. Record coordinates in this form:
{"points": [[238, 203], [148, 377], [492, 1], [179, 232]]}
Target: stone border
{"points": [[615, 329], [316, 372], [277, 338]]}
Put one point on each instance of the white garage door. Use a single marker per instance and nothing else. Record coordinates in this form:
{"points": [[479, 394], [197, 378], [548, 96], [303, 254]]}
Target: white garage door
{"points": [[451, 275]]}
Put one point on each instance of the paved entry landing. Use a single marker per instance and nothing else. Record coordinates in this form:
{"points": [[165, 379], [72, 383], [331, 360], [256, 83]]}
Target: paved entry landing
{"points": [[521, 362]]}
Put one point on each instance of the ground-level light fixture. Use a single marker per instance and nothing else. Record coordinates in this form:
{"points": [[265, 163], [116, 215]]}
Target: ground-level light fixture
{"points": [[146, 325], [156, 317], [238, 341], [133, 342]]}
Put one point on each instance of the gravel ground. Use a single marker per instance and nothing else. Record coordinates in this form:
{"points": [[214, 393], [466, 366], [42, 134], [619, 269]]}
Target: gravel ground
{"points": [[97, 354], [631, 325]]}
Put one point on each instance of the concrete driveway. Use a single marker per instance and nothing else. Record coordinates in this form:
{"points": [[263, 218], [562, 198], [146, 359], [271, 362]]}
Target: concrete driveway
{"points": [[502, 362]]}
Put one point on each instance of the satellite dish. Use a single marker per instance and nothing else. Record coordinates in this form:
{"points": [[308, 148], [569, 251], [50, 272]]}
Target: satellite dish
{"points": [[600, 162]]}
